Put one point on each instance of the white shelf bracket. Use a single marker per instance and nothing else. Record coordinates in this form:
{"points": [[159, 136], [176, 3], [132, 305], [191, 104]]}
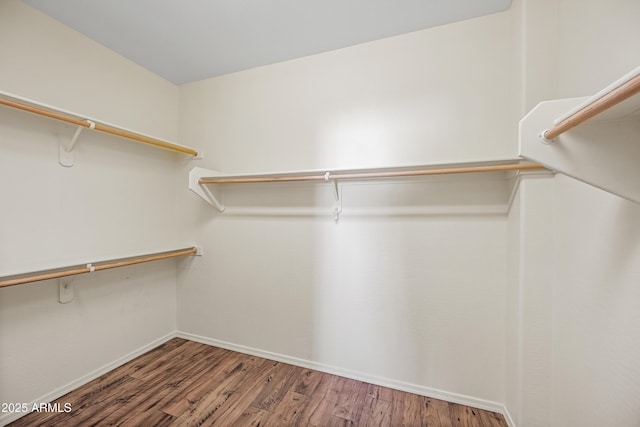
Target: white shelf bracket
{"points": [[65, 290], [336, 211], [66, 156], [213, 197], [337, 207]]}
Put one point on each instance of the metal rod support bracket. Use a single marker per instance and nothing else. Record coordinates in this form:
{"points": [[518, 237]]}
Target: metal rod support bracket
{"points": [[66, 155]]}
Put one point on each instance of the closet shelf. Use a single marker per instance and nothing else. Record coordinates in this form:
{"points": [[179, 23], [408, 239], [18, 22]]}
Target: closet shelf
{"points": [[94, 266], [593, 139], [608, 98], [377, 174], [83, 122], [200, 179]]}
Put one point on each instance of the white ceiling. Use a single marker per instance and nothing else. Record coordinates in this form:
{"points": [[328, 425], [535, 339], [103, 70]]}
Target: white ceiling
{"points": [[189, 40]]}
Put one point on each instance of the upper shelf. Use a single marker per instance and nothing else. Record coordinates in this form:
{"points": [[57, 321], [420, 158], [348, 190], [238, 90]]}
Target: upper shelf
{"points": [[367, 173], [614, 101], [594, 139], [66, 158], [206, 183]]}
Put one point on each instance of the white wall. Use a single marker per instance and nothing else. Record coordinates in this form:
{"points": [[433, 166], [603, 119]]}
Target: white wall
{"points": [[530, 299], [582, 341], [117, 200], [597, 44], [596, 338], [48, 62], [415, 299], [573, 309], [513, 326], [440, 95], [574, 48]]}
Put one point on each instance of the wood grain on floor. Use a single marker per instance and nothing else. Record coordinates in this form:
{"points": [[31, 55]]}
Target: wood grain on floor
{"points": [[184, 383]]}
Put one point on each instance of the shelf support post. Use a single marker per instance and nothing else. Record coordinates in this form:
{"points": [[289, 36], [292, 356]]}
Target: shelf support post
{"points": [[66, 156], [337, 208]]}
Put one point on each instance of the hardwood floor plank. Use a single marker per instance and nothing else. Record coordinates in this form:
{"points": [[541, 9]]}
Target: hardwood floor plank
{"points": [[217, 370], [157, 401], [332, 387], [491, 419], [189, 356], [350, 400], [315, 414], [437, 413], [464, 416], [323, 387], [183, 383], [152, 389], [211, 370], [307, 382], [246, 392], [376, 412], [334, 421], [147, 391], [288, 411], [412, 412], [380, 393], [155, 419], [79, 402], [251, 417], [211, 403], [100, 393], [279, 382]]}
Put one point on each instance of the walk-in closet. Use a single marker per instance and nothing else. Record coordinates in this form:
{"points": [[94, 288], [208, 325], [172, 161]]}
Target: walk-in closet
{"points": [[241, 213]]}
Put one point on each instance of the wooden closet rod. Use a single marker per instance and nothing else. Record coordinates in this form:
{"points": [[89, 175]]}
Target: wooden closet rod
{"points": [[617, 95], [88, 268], [97, 126], [368, 175]]}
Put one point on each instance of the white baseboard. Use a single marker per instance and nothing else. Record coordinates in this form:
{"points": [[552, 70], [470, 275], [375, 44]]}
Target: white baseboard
{"points": [[360, 376], [507, 417], [61, 391]]}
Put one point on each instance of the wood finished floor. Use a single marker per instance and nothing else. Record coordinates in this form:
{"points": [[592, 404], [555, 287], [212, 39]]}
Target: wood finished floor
{"points": [[184, 383]]}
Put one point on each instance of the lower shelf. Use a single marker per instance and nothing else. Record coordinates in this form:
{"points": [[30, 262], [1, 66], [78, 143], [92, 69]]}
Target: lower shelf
{"points": [[92, 267]]}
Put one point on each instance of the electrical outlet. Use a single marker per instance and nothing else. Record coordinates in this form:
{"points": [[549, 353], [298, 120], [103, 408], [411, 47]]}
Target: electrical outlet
{"points": [[65, 290]]}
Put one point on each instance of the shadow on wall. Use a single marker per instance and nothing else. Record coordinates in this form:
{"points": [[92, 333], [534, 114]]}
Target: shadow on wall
{"points": [[361, 306], [413, 293], [408, 285]]}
